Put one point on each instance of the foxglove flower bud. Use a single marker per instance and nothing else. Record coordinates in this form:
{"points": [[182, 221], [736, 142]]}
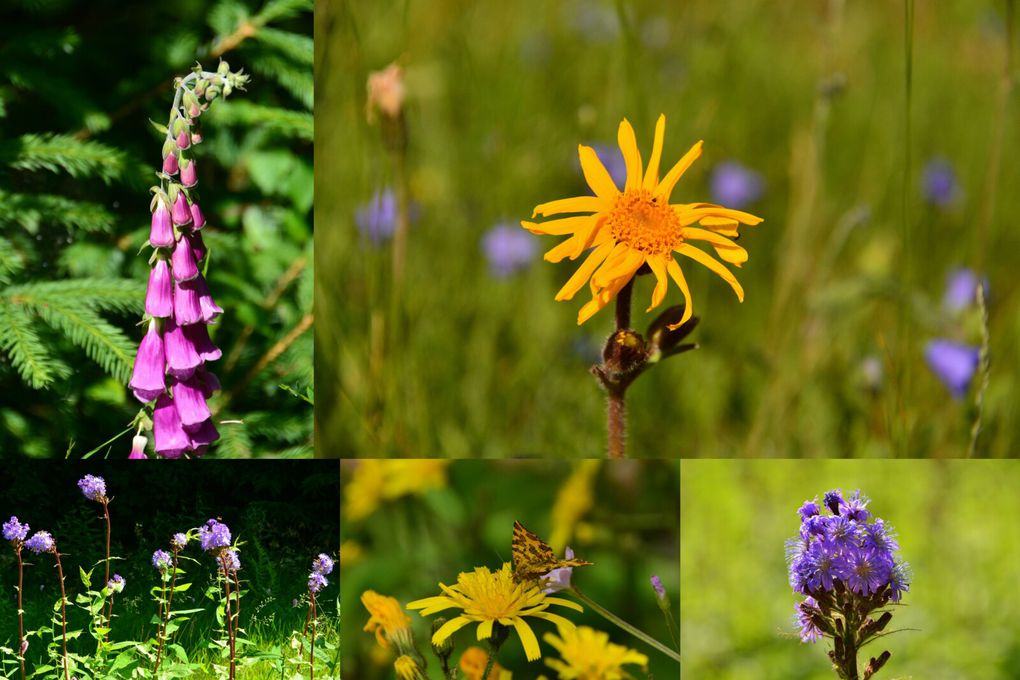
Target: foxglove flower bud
{"points": [[189, 176], [159, 297], [161, 234], [181, 213], [171, 165], [171, 439], [147, 377], [138, 444], [190, 403], [183, 260], [183, 139], [187, 302], [198, 220], [181, 357]]}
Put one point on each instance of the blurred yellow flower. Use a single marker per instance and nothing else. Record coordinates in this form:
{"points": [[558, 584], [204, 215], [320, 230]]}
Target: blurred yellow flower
{"points": [[408, 669], [587, 654], [350, 553], [375, 481], [487, 598], [575, 498], [472, 664], [387, 620], [638, 226]]}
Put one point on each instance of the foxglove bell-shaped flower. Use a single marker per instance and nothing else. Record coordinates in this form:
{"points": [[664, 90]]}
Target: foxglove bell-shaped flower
{"points": [[210, 310], [198, 248], [183, 139], [138, 444], [183, 260], [181, 357], [189, 176], [198, 219], [170, 164], [198, 334], [188, 307], [202, 436], [181, 212], [161, 235], [159, 296], [171, 439], [148, 376], [210, 383], [190, 402]]}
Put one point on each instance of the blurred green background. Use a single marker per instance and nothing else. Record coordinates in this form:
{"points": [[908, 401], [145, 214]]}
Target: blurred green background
{"points": [[283, 513], [402, 543], [79, 83], [846, 275], [957, 529]]}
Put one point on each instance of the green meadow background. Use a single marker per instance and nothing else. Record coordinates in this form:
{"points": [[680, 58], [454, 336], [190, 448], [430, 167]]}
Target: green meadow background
{"points": [[409, 545], [957, 529], [846, 272]]}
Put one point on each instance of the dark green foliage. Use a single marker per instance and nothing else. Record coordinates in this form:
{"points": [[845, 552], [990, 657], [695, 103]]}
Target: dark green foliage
{"points": [[77, 153]]}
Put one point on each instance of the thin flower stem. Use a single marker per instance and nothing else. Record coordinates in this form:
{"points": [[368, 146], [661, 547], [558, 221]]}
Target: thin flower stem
{"points": [[674, 632], [106, 578], [616, 414], [63, 613], [227, 616], [616, 620], [488, 666], [984, 367], [21, 613], [623, 306], [311, 653]]}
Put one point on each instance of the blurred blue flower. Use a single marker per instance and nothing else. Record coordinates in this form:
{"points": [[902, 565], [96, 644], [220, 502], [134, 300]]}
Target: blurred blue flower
{"points": [[612, 158], [938, 182], [377, 219], [961, 289], [735, 186], [953, 363], [508, 249]]}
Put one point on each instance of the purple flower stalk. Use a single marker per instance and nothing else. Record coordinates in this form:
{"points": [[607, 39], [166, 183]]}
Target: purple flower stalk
{"points": [[953, 363], [316, 582], [178, 305], [93, 488], [14, 531], [323, 564], [844, 561], [508, 249]]}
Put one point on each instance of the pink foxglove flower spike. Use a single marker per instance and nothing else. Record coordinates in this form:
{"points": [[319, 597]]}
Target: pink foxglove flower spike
{"points": [[170, 375]]}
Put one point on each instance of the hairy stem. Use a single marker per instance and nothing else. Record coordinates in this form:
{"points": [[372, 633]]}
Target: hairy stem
{"points": [[311, 653], [616, 422], [226, 614], [63, 612], [620, 623], [106, 577], [21, 613]]}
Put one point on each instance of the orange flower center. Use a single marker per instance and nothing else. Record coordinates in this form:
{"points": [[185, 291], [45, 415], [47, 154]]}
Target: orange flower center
{"points": [[642, 223]]}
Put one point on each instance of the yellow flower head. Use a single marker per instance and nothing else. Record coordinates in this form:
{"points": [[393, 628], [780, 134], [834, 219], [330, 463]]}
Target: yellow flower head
{"points": [[408, 669], [377, 481], [638, 226], [388, 620], [487, 598], [472, 664], [587, 654]]}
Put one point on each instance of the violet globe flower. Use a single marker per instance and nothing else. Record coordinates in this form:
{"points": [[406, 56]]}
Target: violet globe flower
{"points": [[377, 219], [316, 582], [323, 564], [116, 584], [162, 560], [232, 560], [736, 186], [93, 488], [14, 531], [961, 289], [179, 541], [938, 183], [214, 536], [660, 590], [41, 542], [508, 249], [953, 363]]}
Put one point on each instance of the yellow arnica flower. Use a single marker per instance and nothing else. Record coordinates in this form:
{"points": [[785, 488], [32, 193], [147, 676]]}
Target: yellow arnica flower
{"points": [[408, 669], [387, 620], [638, 225], [587, 654], [472, 664], [377, 481], [487, 598]]}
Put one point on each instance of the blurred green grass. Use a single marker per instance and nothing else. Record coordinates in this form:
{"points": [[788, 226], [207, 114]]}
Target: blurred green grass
{"points": [[957, 529], [809, 94], [407, 546]]}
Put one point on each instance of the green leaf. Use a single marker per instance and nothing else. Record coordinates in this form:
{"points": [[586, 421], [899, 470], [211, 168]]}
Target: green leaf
{"points": [[86, 577], [56, 152], [21, 342], [299, 48], [296, 124], [33, 211], [275, 10]]}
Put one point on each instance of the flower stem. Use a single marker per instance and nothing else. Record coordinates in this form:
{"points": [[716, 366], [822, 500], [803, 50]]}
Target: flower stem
{"points": [[616, 415], [63, 613], [106, 578], [21, 613], [311, 653], [227, 616], [616, 620]]}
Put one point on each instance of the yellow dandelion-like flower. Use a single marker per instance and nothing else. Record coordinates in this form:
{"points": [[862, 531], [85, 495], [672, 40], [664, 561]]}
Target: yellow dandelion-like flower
{"points": [[575, 498], [408, 669], [375, 481], [472, 664], [487, 598], [638, 226], [587, 654], [387, 620]]}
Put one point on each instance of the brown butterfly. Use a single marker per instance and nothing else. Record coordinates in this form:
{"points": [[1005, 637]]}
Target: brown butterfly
{"points": [[533, 558]]}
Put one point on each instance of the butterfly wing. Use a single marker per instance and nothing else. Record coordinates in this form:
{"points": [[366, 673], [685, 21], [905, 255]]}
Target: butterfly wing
{"points": [[533, 557]]}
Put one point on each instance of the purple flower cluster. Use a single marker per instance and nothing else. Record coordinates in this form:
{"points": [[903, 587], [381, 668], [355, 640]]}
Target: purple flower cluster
{"points": [[316, 582], [214, 536], [162, 560], [842, 551], [93, 487], [321, 566], [178, 541], [232, 559], [115, 584], [14, 531], [170, 367], [956, 363], [508, 249], [41, 542]]}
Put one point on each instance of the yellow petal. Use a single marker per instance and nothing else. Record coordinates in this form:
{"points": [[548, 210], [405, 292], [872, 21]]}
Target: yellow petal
{"points": [[692, 215], [449, 628], [724, 247], [528, 639], [652, 172], [485, 629], [678, 275], [585, 237], [584, 271], [665, 187], [558, 227], [710, 262], [577, 204], [604, 296], [658, 266], [561, 250], [596, 174], [622, 262], [631, 156]]}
